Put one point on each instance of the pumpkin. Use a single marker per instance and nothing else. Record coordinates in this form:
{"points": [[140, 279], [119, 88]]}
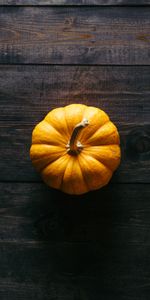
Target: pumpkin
{"points": [[75, 148]]}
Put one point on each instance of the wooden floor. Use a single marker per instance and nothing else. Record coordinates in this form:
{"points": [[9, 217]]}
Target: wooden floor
{"points": [[54, 246]]}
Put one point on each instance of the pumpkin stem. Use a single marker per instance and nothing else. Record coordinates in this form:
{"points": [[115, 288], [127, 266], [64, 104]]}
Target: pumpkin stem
{"points": [[73, 145]]}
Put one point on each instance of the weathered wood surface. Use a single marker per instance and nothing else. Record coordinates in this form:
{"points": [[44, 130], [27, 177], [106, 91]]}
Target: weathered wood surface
{"points": [[117, 215], [54, 246], [79, 35], [75, 2], [29, 92]]}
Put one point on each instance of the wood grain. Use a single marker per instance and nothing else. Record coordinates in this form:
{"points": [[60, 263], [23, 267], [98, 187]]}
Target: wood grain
{"points": [[74, 272], [107, 285], [74, 248], [29, 92], [117, 214], [59, 35], [75, 2], [54, 246]]}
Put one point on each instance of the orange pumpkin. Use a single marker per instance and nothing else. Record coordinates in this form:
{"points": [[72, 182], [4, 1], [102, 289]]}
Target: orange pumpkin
{"points": [[75, 148]]}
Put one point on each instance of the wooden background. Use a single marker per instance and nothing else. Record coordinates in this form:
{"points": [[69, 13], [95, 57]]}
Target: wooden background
{"points": [[54, 246]]}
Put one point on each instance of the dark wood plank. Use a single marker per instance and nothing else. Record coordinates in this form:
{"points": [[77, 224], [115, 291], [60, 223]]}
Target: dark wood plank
{"points": [[75, 2], [59, 35], [118, 214], [29, 92], [74, 272], [84, 247]]}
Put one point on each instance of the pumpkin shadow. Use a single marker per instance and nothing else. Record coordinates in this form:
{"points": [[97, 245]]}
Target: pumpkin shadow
{"points": [[77, 229]]}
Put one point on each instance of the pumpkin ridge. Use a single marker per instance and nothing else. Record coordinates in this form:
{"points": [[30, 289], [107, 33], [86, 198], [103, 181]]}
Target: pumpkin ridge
{"points": [[55, 130], [72, 186], [109, 135], [62, 182], [36, 161], [52, 119], [85, 115], [44, 150], [104, 164], [84, 108], [62, 175], [84, 178], [39, 130], [100, 127], [87, 151], [88, 188], [83, 138], [54, 160], [101, 163], [94, 159], [49, 145], [62, 179]]}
